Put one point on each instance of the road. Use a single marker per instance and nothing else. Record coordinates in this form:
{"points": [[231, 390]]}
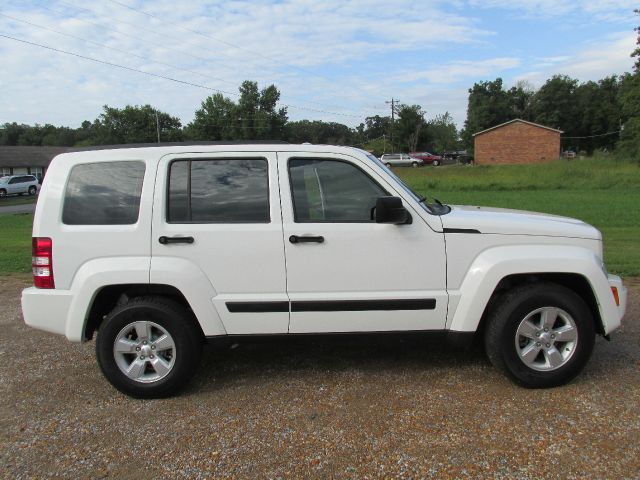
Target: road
{"points": [[310, 409], [26, 208]]}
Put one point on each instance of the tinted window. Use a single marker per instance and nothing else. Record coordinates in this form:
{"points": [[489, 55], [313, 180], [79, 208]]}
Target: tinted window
{"points": [[331, 191], [103, 194], [218, 191]]}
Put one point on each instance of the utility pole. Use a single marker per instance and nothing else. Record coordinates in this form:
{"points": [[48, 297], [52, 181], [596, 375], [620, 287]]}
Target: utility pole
{"points": [[157, 126], [393, 103]]}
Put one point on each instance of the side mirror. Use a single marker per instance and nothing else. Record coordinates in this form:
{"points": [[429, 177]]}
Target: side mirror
{"points": [[390, 210]]}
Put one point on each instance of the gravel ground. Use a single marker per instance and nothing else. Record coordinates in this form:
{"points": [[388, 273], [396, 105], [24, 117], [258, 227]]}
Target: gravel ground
{"points": [[305, 409]]}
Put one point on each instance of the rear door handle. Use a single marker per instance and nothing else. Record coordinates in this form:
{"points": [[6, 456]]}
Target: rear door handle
{"points": [[306, 239], [166, 240]]}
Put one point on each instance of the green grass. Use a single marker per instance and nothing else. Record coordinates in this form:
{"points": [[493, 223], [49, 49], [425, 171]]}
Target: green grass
{"points": [[604, 193], [15, 241]]}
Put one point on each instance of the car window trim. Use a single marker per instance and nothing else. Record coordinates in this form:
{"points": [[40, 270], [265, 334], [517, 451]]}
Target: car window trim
{"points": [[198, 222], [293, 204]]}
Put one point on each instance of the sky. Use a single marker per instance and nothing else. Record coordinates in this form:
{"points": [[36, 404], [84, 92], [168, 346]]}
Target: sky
{"points": [[332, 60]]}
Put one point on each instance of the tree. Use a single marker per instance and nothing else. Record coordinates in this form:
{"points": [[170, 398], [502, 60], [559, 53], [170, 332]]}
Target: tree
{"points": [[520, 97], [629, 143], [254, 117], [410, 127], [319, 132], [555, 104], [443, 133], [134, 124], [489, 105]]}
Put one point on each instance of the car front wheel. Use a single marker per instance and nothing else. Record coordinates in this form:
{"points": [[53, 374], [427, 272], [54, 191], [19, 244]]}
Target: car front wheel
{"points": [[436, 163], [32, 190], [540, 335], [149, 347]]}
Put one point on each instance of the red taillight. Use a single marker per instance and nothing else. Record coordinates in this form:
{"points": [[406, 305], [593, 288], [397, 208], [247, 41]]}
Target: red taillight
{"points": [[42, 262]]}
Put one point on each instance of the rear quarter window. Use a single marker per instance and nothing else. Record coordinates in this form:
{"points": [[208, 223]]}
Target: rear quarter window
{"points": [[105, 193]]}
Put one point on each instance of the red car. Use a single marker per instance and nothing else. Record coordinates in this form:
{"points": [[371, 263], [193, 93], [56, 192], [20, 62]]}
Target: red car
{"points": [[428, 158]]}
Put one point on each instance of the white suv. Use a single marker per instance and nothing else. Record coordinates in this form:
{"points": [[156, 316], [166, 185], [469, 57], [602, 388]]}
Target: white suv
{"points": [[158, 249], [18, 184]]}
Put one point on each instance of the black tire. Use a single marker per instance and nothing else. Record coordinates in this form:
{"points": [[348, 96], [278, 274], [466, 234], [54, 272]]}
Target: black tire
{"points": [[3, 193], [388, 165], [173, 318], [32, 190], [414, 164], [436, 163], [508, 314]]}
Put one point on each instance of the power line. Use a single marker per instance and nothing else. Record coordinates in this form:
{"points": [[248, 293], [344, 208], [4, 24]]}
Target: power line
{"points": [[593, 136], [183, 52], [156, 75], [142, 57], [224, 42]]}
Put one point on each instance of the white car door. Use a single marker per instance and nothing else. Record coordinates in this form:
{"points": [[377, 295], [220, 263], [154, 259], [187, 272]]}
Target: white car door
{"points": [[220, 213], [345, 273]]}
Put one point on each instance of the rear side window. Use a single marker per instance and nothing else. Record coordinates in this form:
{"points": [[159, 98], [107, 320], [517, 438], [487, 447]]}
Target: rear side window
{"points": [[106, 193], [218, 191]]}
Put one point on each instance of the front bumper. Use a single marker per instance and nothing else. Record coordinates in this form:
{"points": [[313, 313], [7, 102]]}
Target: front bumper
{"points": [[616, 282]]}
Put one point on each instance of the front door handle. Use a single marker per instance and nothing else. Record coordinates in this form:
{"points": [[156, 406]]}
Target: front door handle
{"points": [[166, 240], [306, 239]]}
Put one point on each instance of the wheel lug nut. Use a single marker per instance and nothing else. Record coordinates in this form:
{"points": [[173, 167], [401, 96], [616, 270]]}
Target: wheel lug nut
{"points": [[150, 356], [141, 357], [153, 347], [137, 349], [144, 343], [553, 336]]}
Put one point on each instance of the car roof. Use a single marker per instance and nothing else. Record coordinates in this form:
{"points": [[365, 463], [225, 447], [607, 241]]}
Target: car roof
{"points": [[153, 151]]}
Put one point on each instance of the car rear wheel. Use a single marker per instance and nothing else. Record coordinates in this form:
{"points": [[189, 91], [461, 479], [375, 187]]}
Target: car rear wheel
{"points": [[3, 193], [32, 190], [540, 335], [414, 164], [388, 165], [149, 347], [436, 163]]}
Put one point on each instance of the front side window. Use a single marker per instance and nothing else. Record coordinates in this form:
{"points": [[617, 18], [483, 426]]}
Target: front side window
{"points": [[106, 193], [218, 191], [331, 191]]}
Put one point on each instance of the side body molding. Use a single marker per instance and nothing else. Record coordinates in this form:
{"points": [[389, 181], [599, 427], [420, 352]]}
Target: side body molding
{"points": [[492, 265]]}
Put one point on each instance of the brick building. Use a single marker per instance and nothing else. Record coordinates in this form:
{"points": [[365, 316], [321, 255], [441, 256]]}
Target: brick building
{"points": [[516, 141]]}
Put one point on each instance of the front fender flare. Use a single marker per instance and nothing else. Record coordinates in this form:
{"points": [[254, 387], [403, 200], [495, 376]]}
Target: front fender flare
{"points": [[468, 304]]}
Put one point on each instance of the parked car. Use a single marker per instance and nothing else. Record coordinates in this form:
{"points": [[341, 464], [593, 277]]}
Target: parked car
{"points": [[400, 160], [18, 184], [156, 250], [428, 158]]}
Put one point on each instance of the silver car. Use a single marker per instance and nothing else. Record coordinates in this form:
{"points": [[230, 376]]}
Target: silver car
{"points": [[18, 184], [400, 160]]}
